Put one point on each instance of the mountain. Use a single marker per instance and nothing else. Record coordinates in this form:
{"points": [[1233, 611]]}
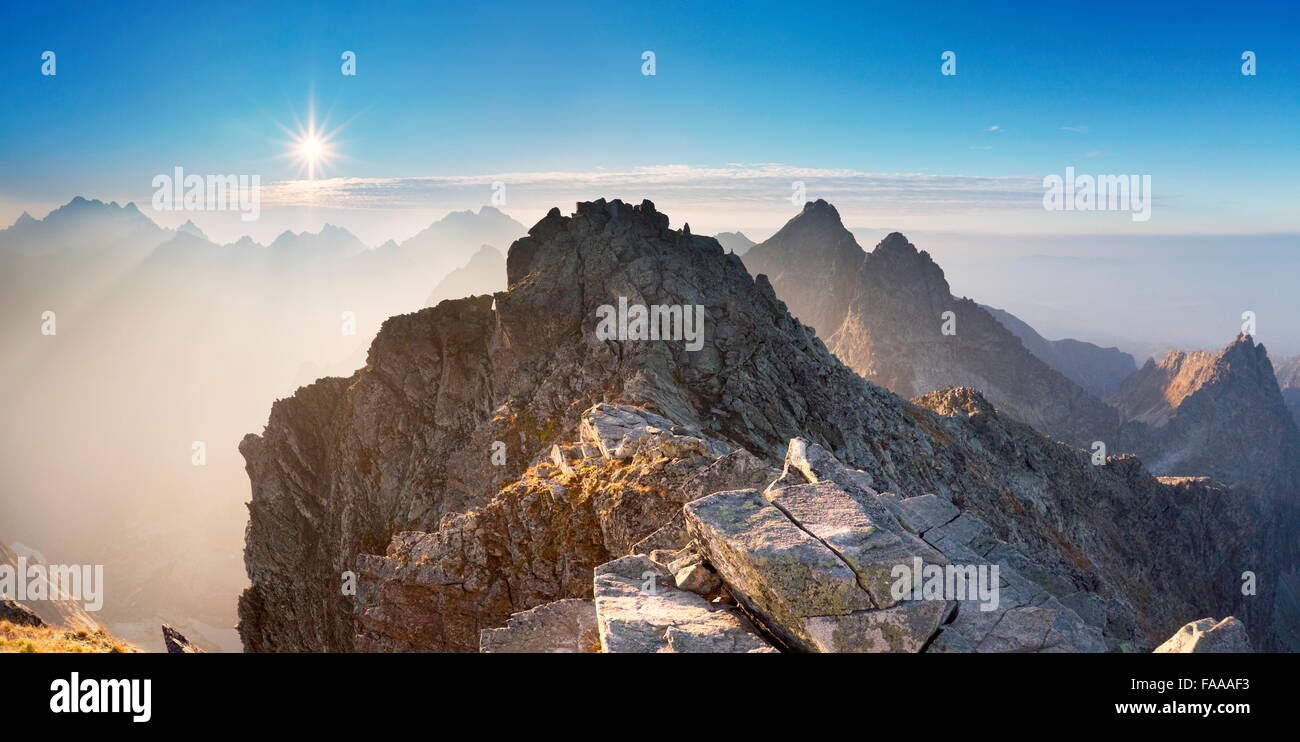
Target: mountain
{"points": [[1288, 379], [884, 314], [330, 241], [1220, 415], [1098, 370], [1223, 415], [82, 224], [734, 242], [452, 241], [189, 227], [483, 274], [392, 480], [812, 249]]}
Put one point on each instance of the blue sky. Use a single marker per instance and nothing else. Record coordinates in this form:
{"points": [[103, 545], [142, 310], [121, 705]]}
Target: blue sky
{"points": [[481, 89]]}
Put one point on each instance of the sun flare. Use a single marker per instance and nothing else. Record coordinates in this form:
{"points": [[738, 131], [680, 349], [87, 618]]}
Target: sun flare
{"points": [[311, 148]]}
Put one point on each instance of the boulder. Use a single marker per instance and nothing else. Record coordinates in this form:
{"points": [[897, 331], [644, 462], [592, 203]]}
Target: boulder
{"points": [[176, 642], [640, 610], [1208, 636], [562, 627]]}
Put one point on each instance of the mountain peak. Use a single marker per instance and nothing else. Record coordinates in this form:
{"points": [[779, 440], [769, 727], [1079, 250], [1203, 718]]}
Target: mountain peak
{"points": [[189, 227], [821, 207], [895, 242]]}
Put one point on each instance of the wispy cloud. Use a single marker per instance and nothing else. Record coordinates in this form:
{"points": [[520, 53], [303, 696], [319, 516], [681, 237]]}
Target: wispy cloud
{"points": [[736, 186], [1075, 129], [995, 127]]}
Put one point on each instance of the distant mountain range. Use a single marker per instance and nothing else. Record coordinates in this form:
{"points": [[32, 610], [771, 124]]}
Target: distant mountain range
{"points": [[164, 338]]}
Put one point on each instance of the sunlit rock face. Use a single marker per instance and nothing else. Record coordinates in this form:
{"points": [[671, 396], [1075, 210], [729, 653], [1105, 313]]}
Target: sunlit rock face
{"points": [[397, 476]]}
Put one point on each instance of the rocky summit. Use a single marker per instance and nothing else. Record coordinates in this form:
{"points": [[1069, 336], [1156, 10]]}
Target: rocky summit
{"points": [[498, 478]]}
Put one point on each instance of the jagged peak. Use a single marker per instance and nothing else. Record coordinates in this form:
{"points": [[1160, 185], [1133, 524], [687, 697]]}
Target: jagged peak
{"points": [[896, 242], [819, 214], [821, 208]]}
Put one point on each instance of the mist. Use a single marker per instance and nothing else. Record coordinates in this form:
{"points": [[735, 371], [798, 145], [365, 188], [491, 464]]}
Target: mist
{"points": [[124, 408]]}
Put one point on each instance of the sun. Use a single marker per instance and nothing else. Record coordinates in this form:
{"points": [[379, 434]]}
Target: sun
{"points": [[311, 148]]}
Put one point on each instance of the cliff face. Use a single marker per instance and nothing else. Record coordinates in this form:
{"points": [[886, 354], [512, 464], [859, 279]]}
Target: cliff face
{"points": [[882, 313], [1223, 415], [390, 473], [1288, 378]]}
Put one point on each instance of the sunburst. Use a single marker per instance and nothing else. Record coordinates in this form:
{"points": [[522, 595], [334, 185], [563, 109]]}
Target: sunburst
{"points": [[312, 146]]}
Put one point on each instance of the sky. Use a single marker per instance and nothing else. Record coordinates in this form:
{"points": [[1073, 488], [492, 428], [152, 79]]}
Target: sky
{"points": [[746, 99]]}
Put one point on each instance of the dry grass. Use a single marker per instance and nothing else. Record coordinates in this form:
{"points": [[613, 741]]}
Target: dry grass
{"points": [[25, 639]]}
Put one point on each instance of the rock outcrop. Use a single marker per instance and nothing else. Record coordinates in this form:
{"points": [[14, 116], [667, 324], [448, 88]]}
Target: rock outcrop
{"points": [[640, 610], [541, 538], [885, 314], [1288, 378], [831, 565], [20, 615], [1220, 415], [565, 626], [1223, 415], [1208, 636], [176, 643], [489, 459]]}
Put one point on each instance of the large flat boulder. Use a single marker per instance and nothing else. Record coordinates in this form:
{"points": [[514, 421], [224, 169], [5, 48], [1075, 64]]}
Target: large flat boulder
{"points": [[640, 610], [804, 591], [830, 565]]}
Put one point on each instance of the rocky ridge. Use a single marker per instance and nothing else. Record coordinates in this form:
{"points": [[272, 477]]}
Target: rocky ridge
{"points": [[391, 473]]}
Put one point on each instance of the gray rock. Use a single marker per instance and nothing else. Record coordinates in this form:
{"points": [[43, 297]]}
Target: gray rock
{"points": [[798, 585], [928, 511], [639, 610], [176, 642], [697, 579], [859, 532], [565, 626]]}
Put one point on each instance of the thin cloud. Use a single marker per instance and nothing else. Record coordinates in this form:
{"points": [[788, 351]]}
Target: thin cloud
{"points": [[738, 185], [1075, 129]]}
